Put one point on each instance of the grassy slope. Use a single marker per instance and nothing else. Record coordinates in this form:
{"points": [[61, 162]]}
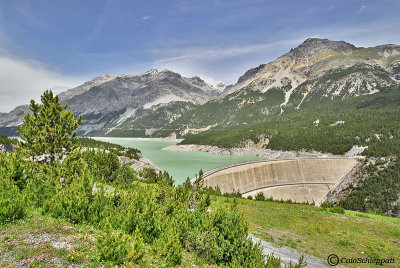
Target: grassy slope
{"points": [[318, 232], [60, 243]]}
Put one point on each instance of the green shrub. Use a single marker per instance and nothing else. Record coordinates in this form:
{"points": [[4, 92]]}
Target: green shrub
{"points": [[72, 201], [113, 247], [41, 187], [103, 205], [168, 246], [273, 262], [137, 250], [6, 140], [16, 169], [260, 197], [221, 238], [124, 176], [337, 210], [12, 204], [149, 175], [102, 164], [139, 210]]}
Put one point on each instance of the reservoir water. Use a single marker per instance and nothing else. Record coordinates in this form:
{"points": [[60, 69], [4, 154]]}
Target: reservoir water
{"points": [[179, 165]]}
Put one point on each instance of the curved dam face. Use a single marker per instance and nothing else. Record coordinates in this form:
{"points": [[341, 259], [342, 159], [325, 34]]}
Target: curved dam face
{"points": [[300, 180]]}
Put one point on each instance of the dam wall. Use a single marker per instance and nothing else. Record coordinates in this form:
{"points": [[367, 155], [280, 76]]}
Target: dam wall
{"points": [[300, 180]]}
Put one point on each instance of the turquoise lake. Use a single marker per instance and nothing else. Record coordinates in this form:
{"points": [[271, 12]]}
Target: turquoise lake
{"points": [[179, 165]]}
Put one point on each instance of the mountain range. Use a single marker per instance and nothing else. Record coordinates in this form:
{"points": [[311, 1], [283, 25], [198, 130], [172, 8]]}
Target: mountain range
{"points": [[164, 103]]}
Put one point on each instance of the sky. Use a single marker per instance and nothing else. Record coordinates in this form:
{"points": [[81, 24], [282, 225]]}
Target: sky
{"points": [[60, 44]]}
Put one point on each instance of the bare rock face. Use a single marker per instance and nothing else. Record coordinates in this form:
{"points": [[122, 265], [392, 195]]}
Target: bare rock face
{"points": [[7, 148], [248, 74], [250, 144], [140, 164]]}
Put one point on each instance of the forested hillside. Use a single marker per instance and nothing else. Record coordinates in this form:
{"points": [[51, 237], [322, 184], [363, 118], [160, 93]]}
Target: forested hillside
{"points": [[334, 126]]}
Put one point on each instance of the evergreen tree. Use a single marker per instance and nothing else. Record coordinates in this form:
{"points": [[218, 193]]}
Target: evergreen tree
{"points": [[49, 130]]}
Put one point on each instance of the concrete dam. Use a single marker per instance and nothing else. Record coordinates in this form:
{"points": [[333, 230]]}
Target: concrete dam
{"points": [[300, 180]]}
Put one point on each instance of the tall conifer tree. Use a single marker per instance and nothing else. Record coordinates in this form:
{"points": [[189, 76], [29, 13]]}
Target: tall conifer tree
{"points": [[49, 130]]}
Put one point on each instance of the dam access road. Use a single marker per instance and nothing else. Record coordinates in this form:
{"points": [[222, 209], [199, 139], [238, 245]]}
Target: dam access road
{"points": [[300, 180]]}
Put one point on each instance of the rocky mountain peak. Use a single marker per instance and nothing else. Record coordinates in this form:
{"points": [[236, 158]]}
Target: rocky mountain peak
{"points": [[152, 71], [220, 86], [196, 80], [316, 44], [314, 49], [169, 74]]}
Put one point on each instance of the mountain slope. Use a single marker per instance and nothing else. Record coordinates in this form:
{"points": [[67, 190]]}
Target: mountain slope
{"points": [[107, 101], [317, 71], [333, 126]]}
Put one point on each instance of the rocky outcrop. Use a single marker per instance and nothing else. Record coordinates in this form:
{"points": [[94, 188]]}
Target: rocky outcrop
{"points": [[263, 141], [7, 148], [248, 74], [140, 164]]}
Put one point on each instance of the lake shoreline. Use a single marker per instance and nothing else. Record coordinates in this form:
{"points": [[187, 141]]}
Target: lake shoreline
{"points": [[138, 139], [262, 153]]}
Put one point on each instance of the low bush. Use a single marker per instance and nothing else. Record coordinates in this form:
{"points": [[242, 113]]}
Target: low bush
{"points": [[113, 247], [124, 176], [221, 238], [72, 201], [12, 203], [168, 246], [260, 197], [337, 210]]}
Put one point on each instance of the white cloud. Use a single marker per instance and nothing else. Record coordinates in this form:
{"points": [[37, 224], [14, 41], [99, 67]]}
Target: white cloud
{"points": [[146, 17], [362, 8], [220, 53], [21, 81]]}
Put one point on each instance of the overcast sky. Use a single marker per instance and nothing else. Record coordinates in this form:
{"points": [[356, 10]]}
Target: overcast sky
{"points": [[60, 44]]}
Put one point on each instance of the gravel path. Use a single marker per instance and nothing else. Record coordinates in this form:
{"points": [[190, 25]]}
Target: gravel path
{"points": [[288, 254]]}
